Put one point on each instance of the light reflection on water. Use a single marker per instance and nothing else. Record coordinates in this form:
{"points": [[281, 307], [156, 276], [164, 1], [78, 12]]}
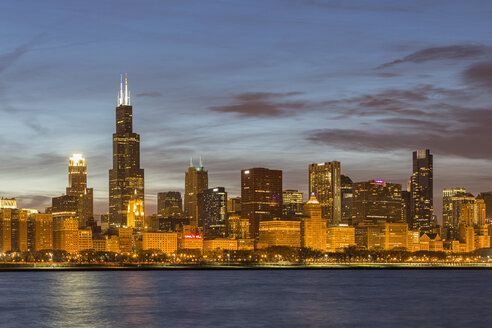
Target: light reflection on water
{"points": [[246, 298]]}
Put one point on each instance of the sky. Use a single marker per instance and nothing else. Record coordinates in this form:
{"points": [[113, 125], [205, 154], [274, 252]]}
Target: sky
{"points": [[277, 84]]}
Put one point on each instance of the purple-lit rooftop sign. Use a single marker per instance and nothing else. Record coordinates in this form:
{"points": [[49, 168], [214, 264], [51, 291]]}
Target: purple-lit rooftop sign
{"points": [[379, 181]]}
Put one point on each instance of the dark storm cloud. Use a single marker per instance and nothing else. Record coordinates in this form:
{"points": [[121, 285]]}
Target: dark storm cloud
{"points": [[440, 53], [479, 74], [268, 104]]}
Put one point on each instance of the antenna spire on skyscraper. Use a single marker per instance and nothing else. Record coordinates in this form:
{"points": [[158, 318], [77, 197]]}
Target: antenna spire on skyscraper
{"points": [[124, 97], [201, 163], [191, 162]]}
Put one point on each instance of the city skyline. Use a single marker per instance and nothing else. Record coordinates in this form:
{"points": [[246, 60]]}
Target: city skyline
{"points": [[299, 102]]}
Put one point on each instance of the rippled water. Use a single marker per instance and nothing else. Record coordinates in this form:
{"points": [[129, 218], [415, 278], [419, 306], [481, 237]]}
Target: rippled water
{"points": [[247, 298]]}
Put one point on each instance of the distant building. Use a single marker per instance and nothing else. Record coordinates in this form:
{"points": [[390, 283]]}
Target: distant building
{"points": [[292, 203], [211, 245], [126, 178], [422, 190], [212, 212], [261, 196], [78, 200], [169, 199], [40, 229], [85, 239], [66, 233], [313, 226], [8, 203], [452, 222], [135, 216], [280, 233], [487, 198], [196, 181], [447, 203], [384, 236], [237, 227], [166, 242], [347, 197], [234, 205], [125, 239], [339, 237], [13, 230], [376, 201], [324, 182]]}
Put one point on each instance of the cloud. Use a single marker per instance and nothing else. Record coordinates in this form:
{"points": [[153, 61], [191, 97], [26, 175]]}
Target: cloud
{"points": [[257, 104], [464, 51], [479, 74], [153, 94], [9, 58]]}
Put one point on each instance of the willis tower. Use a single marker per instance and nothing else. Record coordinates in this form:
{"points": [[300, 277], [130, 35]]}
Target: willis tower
{"points": [[126, 178]]}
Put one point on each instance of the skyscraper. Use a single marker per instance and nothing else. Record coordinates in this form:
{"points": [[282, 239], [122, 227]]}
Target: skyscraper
{"points": [[347, 196], [292, 203], [126, 178], [78, 200], [447, 204], [421, 190], [376, 201], [212, 212], [196, 181], [261, 196], [169, 199], [313, 226], [325, 183]]}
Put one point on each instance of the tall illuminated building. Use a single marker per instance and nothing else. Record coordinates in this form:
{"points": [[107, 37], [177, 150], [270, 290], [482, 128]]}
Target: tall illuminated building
{"points": [[447, 203], [40, 229], [126, 178], [261, 196], [421, 190], [78, 200], [376, 201], [487, 197], [292, 203], [212, 212], [196, 181], [135, 215], [347, 196], [458, 202], [325, 183]]}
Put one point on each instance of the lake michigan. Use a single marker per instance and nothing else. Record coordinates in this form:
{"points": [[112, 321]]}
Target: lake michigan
{"points": [[247, 298]]}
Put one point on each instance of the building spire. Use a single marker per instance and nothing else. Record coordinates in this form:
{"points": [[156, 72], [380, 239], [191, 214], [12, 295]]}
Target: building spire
{"points": [[124, 97], [191, 162], [201, 163]]}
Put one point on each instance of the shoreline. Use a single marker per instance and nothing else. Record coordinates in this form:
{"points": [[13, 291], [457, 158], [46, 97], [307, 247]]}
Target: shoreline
{"points": [[14, 267]]}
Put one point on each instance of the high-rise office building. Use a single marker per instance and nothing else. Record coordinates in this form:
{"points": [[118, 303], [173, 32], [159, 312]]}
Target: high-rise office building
{"points": [[324, 182], [40, 230], [169, 199], [65, 233], [406, 211], [196, 181], [376, 201], [126, 178], [261, 196], [457, 203], [8, 203], [212, 212], [487, 197], [78, 200], [421, 190], [13, 230], [292, 203], [234, 205], [135, 215], [447, 203], [347, 196]]}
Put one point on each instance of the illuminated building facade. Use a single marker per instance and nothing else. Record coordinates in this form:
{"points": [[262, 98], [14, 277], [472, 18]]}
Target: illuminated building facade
{"points": [[487, 198], [8, 203], [196, 181], [166, 242], [292, 203], [66, 233], [125, 238], [135, 214], [347, 195], [237, 227], [376, 201], [126, 178], [325, 183], [78, 200], [13, 230], [422, 190], [447, 203], [339, 237], [211, 245], [261, 196], [280, 233], [234, 205], [5, 230], [212, 212], [85, 239], [190, 240], [384, 236], [458, 201], [40, 229], [313, 226], [169, 200]]}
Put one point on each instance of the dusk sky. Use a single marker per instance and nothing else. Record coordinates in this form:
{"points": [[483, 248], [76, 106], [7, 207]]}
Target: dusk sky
{"points": [[277, 84]]}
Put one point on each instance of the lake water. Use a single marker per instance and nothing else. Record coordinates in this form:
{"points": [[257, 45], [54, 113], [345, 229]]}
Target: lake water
{"points": [[247, 298]]}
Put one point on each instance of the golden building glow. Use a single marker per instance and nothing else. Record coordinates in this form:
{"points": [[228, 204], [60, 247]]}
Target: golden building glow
{"points": [[166, 242], [135, 217], [280, 233], [313, 226], [66, 234], [220, 243], [339, 237]]}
